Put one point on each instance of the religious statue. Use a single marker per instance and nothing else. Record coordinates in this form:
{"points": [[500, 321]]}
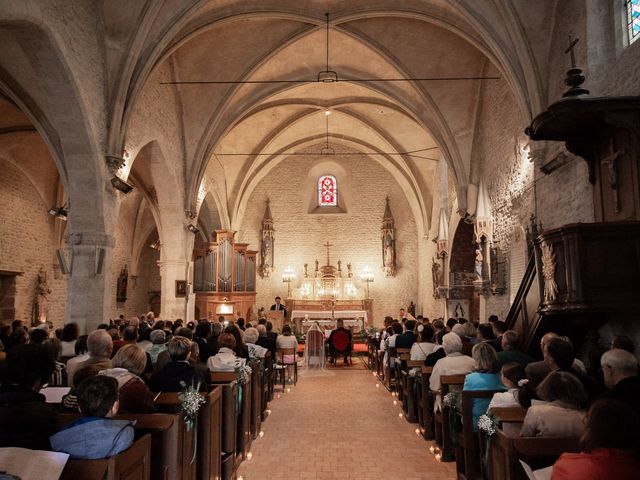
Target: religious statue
{"points": [[388, 252], [121, 290], [266, 254], [436, 272], [387, 234], [41, 299], [268, 237], [478, 267]]}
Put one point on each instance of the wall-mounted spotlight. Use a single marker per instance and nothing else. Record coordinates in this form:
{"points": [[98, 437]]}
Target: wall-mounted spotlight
{"points": [[120, 184], [192, 228], [155, 245], [59, 212]]}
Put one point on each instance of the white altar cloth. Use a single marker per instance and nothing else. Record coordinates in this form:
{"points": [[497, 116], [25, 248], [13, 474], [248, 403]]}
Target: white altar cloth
{"points": [[346, 315]]}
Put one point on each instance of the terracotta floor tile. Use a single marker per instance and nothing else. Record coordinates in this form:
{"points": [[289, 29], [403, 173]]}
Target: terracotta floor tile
{"points": [[338, 425]]}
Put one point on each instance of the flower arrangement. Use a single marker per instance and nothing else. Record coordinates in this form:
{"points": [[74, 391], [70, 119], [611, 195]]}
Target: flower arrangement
{"points": [[190, 403], [243, 373], [451, 400], [487, 425]]}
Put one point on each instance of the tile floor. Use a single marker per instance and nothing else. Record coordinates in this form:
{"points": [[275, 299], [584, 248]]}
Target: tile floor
{"points": [[338, 425]]}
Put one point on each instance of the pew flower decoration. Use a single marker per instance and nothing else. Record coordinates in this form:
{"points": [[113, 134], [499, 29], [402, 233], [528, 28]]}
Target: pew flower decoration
{"points": [[487, 425], [190, 403], [451, 400], [243, 373]]}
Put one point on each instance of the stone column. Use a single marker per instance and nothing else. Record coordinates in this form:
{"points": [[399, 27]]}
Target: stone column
{"points": [[88, 289], [172, 307]]}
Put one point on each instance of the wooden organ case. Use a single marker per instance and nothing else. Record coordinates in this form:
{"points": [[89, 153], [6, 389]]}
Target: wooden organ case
{"points": [[224, 278]]}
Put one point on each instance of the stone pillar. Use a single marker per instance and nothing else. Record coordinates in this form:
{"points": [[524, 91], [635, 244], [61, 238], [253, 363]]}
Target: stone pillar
{"points": [[172, 307], [88, 289]]}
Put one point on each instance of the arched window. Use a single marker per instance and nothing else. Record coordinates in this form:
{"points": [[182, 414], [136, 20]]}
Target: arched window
{"points": [[327, 191], [633, 20]]}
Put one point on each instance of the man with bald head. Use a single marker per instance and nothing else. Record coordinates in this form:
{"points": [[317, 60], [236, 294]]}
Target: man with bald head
{"points": [[100, 346], [537, 371], [620, 371]]}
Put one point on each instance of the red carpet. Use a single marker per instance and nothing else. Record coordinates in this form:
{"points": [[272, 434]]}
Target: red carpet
{"points": [[358, 348]]}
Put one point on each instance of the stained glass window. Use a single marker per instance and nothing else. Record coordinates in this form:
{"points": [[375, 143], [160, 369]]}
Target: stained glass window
{"points": [[633, 19], [327, 191]]}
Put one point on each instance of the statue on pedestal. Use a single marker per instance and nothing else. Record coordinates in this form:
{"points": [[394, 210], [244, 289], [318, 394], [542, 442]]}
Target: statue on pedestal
{"points": [[41, 299]]}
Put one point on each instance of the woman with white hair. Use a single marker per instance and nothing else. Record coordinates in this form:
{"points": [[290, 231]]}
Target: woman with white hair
{"points": [[455, 363], [250, 337]]}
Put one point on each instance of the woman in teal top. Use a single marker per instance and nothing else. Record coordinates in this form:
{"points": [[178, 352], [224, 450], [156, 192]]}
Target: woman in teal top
{"points": [[485, 377]]}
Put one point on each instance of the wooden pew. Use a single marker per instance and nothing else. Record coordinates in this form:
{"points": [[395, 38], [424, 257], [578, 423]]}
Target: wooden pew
{"points": [[443, 432], [425, 404], [164, 429], [409, 385], [132, 464], [256, 397], [233, 423], [187, 442], [508, 448], [266, 384], [210, 436], [468, 460], [389, 370], [402, 355]]}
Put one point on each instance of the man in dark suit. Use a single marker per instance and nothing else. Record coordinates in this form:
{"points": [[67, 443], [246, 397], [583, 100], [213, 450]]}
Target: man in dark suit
{"points": [[408, 338], [279, 307], [340, 330]]}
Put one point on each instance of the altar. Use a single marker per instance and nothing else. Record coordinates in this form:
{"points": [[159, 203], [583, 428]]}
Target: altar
{"points": [[304, 315], [327, 295]]}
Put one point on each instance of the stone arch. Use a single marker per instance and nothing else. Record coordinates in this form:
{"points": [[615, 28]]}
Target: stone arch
{"points": [[39, 80], [484, 38]]}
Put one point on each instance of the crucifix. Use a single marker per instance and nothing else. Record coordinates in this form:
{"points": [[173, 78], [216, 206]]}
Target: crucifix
{"points": [[328, 245], [572, 44], [610, 163]]}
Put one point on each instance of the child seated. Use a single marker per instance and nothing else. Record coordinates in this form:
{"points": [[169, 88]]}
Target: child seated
{"points": [[95, 435], [514, 378]]}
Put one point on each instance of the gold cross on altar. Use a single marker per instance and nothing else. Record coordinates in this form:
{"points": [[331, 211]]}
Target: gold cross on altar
{"points": [[328, 245]]}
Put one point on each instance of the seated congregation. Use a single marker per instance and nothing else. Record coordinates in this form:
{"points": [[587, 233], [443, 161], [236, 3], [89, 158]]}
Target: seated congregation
{"points": [[487, 404], [131, 379]]}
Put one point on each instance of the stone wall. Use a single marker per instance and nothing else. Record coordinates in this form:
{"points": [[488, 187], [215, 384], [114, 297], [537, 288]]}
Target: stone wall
{"points": [[27, 243], [355, 235], [500, 161]]}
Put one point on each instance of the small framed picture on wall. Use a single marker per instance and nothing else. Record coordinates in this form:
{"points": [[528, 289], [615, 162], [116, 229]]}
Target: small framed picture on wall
{"points": [[181, 288]]}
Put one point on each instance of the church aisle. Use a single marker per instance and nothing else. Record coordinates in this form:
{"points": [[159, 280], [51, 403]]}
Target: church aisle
{"points": [[338, 425]]}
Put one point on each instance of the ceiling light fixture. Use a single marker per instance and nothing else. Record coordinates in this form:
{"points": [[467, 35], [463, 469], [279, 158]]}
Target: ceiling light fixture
{"points": [[59, 212], [327, 150], [327, 76], [121, 185]]}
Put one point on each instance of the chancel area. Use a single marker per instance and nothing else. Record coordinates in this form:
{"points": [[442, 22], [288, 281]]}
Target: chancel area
{"points": [[324, 239]]}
